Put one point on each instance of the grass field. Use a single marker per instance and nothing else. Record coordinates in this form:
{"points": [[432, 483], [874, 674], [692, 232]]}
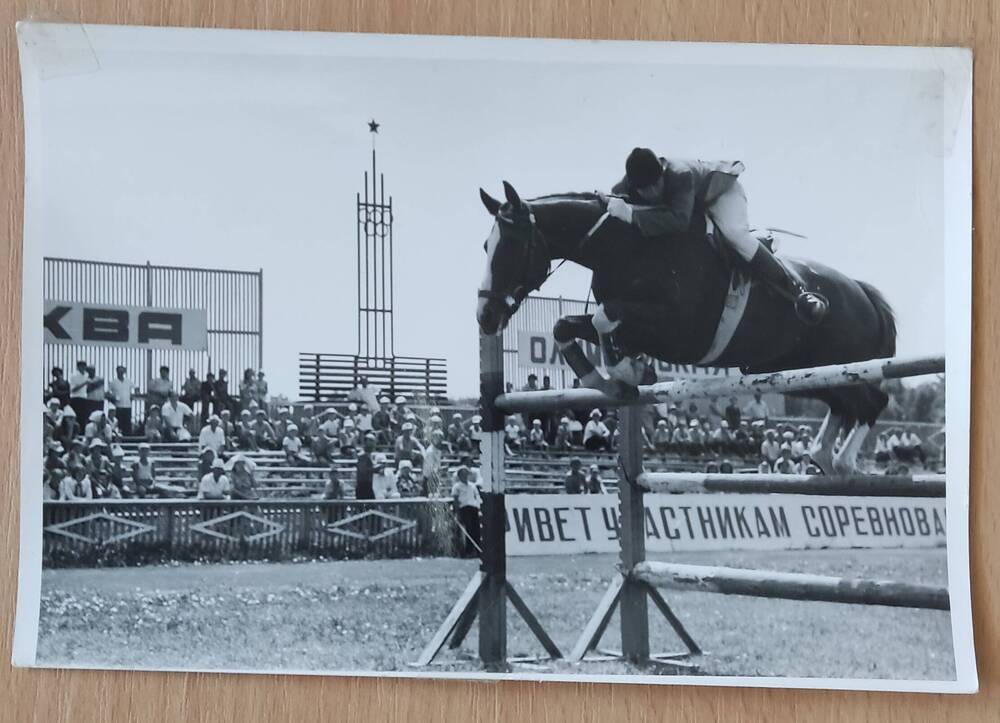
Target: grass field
{"points": [[377, 615]]}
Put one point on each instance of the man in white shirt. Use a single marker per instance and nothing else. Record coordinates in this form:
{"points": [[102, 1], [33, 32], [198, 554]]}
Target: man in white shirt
{"points": [[383, 479], [757, 410], [212, 436], [366, 394], [770, 448], [214, 485], [78, 390], [174, 413], [468, 500], [120, 390]]}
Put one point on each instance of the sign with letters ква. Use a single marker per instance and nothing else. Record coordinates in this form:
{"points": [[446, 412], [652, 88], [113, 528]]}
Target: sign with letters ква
{"points": [[71, 322]]}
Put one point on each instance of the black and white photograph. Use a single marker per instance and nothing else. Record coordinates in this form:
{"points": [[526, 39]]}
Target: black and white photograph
{"points": [[640, 362]]}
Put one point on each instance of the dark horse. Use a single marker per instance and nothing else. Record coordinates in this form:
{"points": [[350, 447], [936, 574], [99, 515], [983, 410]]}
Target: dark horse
{"points": [[669, 294]]}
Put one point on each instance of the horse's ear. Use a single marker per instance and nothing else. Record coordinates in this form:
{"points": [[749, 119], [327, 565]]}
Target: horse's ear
{"points": [[492, 204], [512, 198]]}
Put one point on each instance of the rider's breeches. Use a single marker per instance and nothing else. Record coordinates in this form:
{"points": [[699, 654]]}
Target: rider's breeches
{"points": [[728, 211]]}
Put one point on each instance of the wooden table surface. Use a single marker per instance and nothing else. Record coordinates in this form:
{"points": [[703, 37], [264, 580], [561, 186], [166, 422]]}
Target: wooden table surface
{"points": [[84, 695]]}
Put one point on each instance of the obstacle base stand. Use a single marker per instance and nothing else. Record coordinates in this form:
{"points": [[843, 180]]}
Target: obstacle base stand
{"points": [[463, 614], [591, 636]]}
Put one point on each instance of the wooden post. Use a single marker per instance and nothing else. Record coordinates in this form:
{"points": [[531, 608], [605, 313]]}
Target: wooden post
{"points": [[633, 605], [493, 593]]}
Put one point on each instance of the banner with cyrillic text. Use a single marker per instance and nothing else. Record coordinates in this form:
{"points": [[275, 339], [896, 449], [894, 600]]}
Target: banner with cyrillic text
{"points": [[70, 322], [573, 524], [538, 350]]}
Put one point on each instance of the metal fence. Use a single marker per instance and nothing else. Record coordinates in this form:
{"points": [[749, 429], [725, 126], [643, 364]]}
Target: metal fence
{"points": [[538, 313], [232, 299]]}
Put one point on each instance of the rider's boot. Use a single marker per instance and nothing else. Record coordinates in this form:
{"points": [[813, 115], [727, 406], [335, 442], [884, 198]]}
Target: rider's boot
{"points": [[810, 306]]}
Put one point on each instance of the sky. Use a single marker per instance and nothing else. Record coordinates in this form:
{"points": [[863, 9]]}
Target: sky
{"points": [[183, 149]]}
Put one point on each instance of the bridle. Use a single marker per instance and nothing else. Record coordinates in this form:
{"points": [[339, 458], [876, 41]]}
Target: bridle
{"points": [[535, 245]]}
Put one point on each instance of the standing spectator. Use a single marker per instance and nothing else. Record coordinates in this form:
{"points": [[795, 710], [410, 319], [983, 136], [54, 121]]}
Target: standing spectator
{"points": [[191, 389], [158, 389], [58, 387], [365, 394], [532, 385], [334, 488], [207, 396], [215, 484], [575, 480], [174, 414], [221, 398], [596, 435], [757, 410], [594, 484], [466, 495], [212, 437], [248, 389], [733, 414], [365, 471], [78, 390], [261, 390], [432, 465], [120, 390]]}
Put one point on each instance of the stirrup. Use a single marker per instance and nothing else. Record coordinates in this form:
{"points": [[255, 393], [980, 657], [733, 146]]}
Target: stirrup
{"points": [[811, 307]]}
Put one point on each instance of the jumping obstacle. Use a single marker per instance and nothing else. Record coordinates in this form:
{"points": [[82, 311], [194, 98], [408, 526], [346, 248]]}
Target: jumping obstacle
{"points": [[639, 579], [859, 485]]}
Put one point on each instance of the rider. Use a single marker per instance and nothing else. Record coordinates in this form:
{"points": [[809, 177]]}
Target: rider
{"points": [[660, 197]]}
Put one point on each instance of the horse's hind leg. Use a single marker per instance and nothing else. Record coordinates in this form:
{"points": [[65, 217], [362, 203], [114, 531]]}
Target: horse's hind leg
{"points": [[847, 460], [822, 447]]}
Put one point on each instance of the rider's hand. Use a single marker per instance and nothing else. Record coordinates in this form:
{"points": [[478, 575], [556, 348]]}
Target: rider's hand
{"points": [[620, 209]]}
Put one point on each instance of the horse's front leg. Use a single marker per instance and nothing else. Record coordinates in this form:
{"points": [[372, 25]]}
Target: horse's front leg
{"points": [[567, 333]]}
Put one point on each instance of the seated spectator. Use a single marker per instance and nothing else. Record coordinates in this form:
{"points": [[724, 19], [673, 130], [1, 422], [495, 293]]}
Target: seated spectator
{"points": [[562, 440], [212, 437], [53, 456], [575, 481], [333, 489], [722, 439], [785, 464], [476, 430], [98, 469], [153, 427], [696, 438], [76, 487], [807, 466], [594, 484], [292, 446], [174, 414], [512, 435], [325, 446], [245, 436], [309, 425], [242, 482], [536, 436], [406, 447], [680, 440], [882, 449], [405, 481], [205, 459], [52, 483], [53, 417], [802, 443], [349, 438], [143, 473], [215, 485], [117, 488], [764, 467], [382, 422], [76, 458], [263, 432], [97, 428], [726, 467], [384, 479], [662, 436], [910, 448], [596, 435], [770, 448], [228, 430], [68, 428]]}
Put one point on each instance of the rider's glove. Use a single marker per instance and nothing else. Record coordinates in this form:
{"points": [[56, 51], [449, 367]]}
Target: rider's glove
{"points": [[620, 209]]}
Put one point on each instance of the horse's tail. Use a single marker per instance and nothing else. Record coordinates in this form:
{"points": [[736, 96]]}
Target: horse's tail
{"points": [[887, 321]]}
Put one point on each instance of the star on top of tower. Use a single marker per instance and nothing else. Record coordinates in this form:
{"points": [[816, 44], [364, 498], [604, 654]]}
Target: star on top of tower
{"points": [[373, 126]]}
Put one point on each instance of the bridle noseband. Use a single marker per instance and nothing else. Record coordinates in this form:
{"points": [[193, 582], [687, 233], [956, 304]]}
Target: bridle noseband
{"points": [[534, 246]]}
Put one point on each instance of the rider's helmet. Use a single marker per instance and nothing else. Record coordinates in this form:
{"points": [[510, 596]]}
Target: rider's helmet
{"points": [[642, 168]]}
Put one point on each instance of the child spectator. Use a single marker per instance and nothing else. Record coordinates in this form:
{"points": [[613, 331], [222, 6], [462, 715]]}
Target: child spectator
{"points": [[143, 472], [334, 488], [575, 481], [594, 484], [536, 436], [292, 446], [153, 428]]}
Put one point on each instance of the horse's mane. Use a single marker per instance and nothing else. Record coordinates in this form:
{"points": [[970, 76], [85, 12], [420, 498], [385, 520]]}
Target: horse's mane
{"points": [[567, 196]]}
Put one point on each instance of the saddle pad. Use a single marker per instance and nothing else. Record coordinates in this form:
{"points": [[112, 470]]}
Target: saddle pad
{"points": [[732, 314]]}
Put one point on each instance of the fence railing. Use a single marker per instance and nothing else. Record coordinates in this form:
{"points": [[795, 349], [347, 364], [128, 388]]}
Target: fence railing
{"points": [[145, 531]]}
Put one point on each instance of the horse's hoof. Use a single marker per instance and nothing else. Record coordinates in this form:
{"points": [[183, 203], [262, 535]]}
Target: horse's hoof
{"points": [[630, 371]]}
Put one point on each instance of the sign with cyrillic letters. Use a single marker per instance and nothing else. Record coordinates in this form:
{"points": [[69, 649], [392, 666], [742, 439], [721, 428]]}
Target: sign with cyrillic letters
{"points": [[70, 322], [539, 350], [573, 524]]}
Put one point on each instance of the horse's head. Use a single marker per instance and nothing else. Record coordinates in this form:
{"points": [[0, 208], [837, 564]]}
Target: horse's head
{"points": [[517, 260]]}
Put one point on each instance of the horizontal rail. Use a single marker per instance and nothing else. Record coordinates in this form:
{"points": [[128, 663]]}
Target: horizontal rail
{"points": [[834, 375], [858, 485], [792, 585]]}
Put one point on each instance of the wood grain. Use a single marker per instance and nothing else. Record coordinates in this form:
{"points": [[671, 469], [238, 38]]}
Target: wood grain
{"points": [[62, 695]]}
